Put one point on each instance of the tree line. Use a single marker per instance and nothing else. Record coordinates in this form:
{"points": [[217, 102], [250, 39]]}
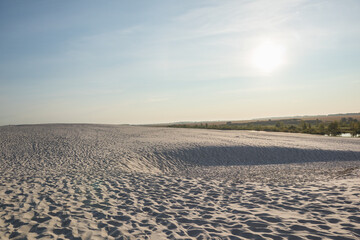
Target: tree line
{"points": [[333, 128]]}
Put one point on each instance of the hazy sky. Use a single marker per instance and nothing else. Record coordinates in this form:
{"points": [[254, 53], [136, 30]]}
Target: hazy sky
{"points": [[165, 61]]}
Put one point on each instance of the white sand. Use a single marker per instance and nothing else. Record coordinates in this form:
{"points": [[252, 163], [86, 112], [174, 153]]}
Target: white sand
{"points": [[108, 182]]}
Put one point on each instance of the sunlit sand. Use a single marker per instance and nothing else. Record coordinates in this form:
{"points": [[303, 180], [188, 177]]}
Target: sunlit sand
{"points": [[108, 182]]}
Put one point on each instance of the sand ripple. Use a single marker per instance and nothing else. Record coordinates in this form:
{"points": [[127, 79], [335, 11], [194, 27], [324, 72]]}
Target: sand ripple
{"points": [[159, 207]]}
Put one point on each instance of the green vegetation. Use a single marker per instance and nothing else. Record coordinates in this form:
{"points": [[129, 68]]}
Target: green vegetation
{"points": [[334, 128]]}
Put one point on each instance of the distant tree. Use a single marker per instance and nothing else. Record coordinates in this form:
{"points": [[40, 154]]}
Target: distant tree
{"points": [[292, 128], [322, 128], [303, 125], [343, 122], [354, 128], [333, 129], [278, 124]]}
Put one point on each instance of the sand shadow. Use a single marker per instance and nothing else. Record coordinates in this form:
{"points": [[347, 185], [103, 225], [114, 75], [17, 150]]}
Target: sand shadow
{"points": [[249, 155]]}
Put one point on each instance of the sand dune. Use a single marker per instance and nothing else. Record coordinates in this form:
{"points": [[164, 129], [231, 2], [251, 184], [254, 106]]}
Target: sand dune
{"points": [[112, 182]]}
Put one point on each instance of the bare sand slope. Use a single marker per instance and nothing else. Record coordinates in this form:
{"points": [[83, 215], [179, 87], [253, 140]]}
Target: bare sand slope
{"points": [[113, 182], [99, 148]]}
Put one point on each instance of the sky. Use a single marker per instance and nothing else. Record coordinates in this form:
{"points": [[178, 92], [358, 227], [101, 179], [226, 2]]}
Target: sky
{"points": [[160, 61]]}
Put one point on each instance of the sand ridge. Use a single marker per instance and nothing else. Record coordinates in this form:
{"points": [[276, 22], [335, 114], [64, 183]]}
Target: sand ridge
{"points": [[98, 148]]}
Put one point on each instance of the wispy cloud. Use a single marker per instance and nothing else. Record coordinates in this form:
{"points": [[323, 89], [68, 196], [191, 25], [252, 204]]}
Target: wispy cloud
{"points": [[237, 17]]}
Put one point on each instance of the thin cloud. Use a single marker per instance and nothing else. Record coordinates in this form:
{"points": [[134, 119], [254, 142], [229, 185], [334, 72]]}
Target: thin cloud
{"points": [[236, 17]]}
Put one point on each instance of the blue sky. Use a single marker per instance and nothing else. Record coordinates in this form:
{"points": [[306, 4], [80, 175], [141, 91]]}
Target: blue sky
{"points": [[167, 61]]}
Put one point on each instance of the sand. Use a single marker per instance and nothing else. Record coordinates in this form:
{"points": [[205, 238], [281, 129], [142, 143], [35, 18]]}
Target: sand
{"points": [[77, 181]]}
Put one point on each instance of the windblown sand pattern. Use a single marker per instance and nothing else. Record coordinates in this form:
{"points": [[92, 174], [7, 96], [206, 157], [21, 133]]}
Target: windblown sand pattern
{"points": [[123, 182]]}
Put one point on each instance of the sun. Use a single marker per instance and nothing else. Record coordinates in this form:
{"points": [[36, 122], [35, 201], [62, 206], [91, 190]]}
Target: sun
{"points": [[268, 56]]}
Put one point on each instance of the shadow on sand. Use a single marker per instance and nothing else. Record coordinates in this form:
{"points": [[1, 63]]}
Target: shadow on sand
{"points": [[248, 155]]}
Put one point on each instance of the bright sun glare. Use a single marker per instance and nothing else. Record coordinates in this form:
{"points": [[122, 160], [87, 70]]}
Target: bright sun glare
{"points": [[268, 56]]}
